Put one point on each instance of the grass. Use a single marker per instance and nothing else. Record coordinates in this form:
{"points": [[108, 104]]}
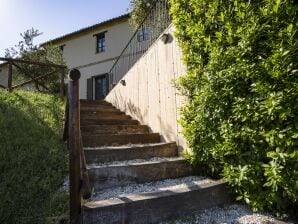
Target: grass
{"points": [[33, 158]]}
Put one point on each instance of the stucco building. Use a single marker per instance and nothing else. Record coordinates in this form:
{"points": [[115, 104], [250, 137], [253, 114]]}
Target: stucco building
{"points": [[93, 50]]}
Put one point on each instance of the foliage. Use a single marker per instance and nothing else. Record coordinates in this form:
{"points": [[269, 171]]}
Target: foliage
{"points": [[139, 9], [27, 50], [33, 158], [242, 77]]}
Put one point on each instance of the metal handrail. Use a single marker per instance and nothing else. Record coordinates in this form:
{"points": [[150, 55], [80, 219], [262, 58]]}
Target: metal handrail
{"points": [[134, 34], [154, 23]]}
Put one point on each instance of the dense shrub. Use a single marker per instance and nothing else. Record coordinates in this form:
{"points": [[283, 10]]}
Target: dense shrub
{"points": [[139, 10], [33, 158], [242, 84], [27, 50]]}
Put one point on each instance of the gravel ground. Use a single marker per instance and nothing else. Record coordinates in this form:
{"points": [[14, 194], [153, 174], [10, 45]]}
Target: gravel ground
{"points": [[229, 214], [169, 184], [133, 162]]}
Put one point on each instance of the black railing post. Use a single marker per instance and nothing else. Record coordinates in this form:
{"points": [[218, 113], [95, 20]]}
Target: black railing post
{"points": [[74, 145]]}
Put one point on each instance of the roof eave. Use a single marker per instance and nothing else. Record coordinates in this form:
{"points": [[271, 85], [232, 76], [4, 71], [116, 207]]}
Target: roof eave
{"points": [[87, 29]]}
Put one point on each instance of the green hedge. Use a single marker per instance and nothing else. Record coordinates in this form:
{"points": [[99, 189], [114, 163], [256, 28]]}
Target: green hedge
{"points": [[33, 158], [241, 121]]}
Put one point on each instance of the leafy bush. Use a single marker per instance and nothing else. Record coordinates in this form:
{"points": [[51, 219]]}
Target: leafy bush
{"points": [[33, 159], [27, 50], [139, 10], [242, 84]]}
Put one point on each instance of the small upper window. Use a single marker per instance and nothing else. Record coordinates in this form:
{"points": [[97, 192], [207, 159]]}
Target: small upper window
{"points": [[100, 42], [143, 35], [62, 47]]}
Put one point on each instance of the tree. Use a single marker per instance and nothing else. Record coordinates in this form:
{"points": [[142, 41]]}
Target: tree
{"points": [[27, 50], [139, 9]]}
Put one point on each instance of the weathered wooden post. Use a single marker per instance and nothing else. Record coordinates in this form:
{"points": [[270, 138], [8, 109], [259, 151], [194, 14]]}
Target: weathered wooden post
{"points": [[74, 146], [9, 84]]}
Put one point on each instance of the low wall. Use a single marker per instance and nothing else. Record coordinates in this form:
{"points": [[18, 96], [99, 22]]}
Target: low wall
{"points": [[149, 94]]}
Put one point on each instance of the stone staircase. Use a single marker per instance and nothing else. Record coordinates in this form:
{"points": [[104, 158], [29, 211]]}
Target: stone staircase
{"points": [[137, 178]]}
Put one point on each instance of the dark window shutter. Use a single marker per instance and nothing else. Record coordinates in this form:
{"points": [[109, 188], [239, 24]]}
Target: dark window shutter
{"points": [[90, 89]]}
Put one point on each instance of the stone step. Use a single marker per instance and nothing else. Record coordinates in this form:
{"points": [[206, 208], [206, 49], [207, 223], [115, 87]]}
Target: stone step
{"points": [[114, 129], [154, 207], [109, 122], [103, 176], [122, 139], [130, 152]]}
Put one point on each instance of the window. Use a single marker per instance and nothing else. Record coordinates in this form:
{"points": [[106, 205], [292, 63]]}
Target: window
{"points": [[100, 42], [143, 35], [62, 48]]}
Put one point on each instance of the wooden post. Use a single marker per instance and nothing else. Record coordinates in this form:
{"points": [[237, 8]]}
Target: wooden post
{"points": [[9, 84], [86, 187], [62, 82], [74, 147]]}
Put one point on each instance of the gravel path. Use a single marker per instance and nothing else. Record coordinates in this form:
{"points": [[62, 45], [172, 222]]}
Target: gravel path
{"points": [[169, 184], [229, 214]]}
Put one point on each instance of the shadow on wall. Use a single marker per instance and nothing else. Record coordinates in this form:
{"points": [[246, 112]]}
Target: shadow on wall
{"points": [[130, 108]]}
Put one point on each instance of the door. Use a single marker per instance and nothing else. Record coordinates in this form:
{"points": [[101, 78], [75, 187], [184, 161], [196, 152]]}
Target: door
{"points": [[101, 87], [90, 89]]}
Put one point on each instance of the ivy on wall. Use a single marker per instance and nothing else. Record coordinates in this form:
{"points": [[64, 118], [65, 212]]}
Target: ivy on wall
{"points": [[241, 121]]}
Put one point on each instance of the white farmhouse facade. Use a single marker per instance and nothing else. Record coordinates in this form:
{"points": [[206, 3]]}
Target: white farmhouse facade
{"points": [[93, 50]]}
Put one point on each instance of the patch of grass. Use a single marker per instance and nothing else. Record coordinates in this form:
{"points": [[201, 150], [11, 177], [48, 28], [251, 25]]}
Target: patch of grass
{"points": [[33, 158]]}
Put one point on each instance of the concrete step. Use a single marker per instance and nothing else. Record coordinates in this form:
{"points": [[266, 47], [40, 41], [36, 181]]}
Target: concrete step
{"points": [[154, 207], [109, 122], [130, 152], [103, 176], [122, 139], [114, 129]]}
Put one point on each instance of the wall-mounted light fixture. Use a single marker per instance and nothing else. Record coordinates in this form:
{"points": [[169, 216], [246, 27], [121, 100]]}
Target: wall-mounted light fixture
{"points": [[123, 83], [165, 38]]}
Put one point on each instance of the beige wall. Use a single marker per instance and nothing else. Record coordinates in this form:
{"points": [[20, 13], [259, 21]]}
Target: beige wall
{"points": [[149, 95], [80, 52], [4, 75]]}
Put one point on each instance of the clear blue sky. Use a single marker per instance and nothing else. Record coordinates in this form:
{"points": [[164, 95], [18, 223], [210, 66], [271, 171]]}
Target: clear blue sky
{"points": [[53, 18]]}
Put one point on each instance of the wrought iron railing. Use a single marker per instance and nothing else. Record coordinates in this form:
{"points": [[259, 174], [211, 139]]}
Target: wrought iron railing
{"points": [[154, 23]]}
